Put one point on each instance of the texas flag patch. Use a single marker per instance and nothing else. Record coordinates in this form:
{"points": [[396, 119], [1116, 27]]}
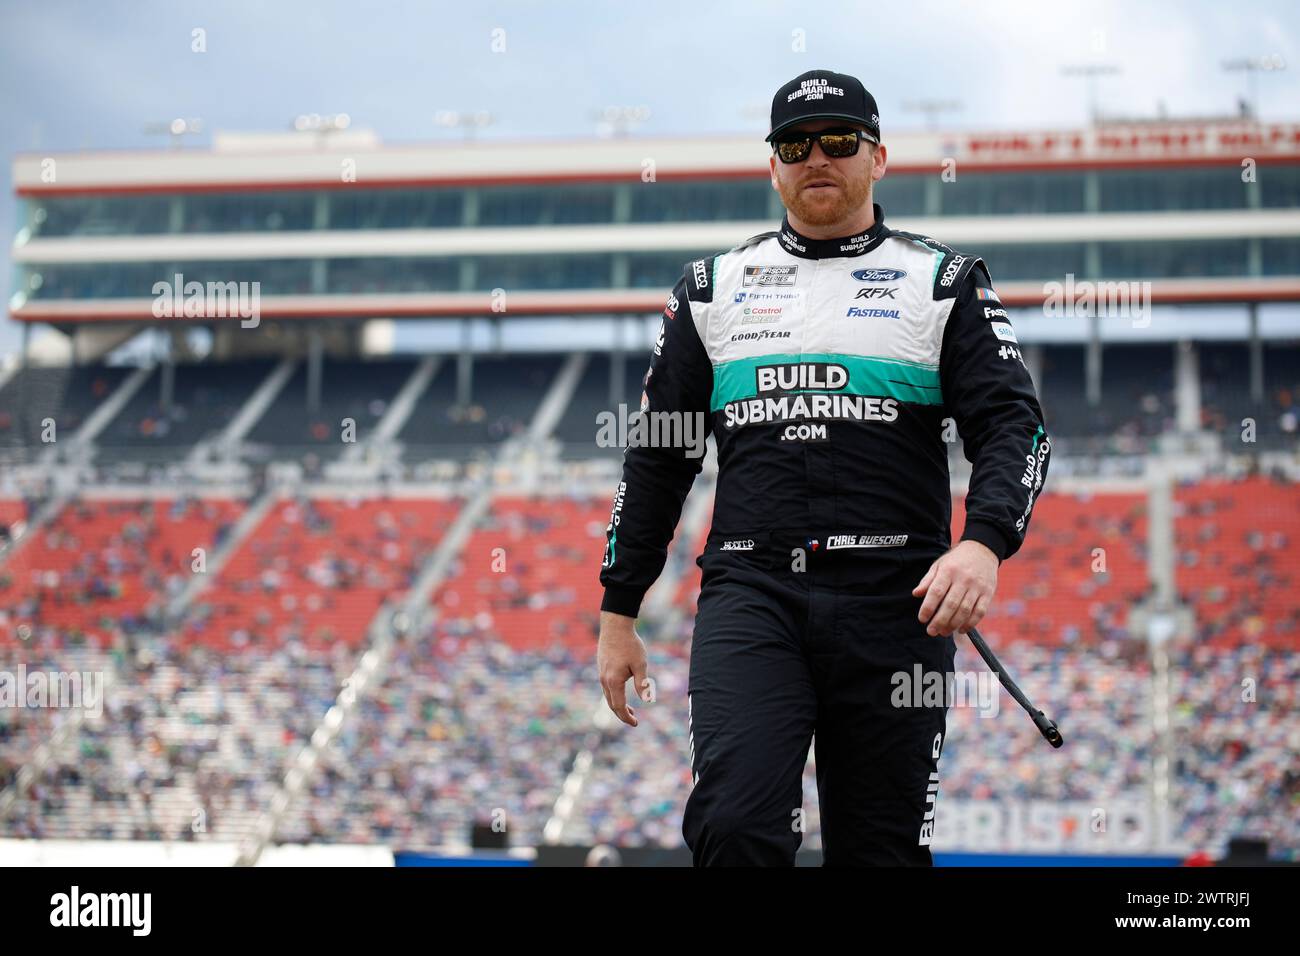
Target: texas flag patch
{"points": [[988, 295]]}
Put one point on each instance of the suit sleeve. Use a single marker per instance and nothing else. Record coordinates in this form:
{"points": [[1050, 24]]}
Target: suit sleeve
{"points": [[991, 396], [656, 480]]}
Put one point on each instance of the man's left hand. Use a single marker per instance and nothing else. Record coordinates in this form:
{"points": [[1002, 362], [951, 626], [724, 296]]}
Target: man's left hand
{"points": [[958, 588]]}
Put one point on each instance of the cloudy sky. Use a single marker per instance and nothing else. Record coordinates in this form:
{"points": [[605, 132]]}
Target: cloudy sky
{"points": [[94, 74]]}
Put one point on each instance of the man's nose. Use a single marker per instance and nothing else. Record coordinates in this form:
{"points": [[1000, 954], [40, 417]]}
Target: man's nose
{"points": [[817, 154]]}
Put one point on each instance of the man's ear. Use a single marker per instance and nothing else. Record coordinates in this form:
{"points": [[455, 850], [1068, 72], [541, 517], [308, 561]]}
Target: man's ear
{"points": [[771, 166], [878, 167]]}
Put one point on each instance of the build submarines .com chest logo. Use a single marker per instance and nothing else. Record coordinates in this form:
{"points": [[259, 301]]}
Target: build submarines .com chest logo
{"points": [[809, 394]]}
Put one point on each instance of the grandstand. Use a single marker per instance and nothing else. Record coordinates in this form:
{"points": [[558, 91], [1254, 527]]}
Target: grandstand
{"points": [[339, 566]]}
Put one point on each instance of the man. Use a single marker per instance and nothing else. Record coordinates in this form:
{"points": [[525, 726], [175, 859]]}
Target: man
{"points": [[834, 357]]}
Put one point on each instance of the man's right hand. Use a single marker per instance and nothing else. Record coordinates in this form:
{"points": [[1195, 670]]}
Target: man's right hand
{"points": [[620, 654]]}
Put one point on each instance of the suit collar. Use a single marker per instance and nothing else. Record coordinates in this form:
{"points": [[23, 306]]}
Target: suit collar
{"points": [[804, 247]]}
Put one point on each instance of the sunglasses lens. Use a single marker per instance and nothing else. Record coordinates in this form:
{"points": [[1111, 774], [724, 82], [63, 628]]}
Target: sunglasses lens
{"points": [[793, 150], [839, 144]]}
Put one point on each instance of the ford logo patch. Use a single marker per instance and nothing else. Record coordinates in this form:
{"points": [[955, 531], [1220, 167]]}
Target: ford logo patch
{"points": [[878, 275]]}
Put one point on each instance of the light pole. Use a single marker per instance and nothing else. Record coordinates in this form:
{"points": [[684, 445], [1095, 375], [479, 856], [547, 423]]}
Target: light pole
{"points": [[1090, 72], [618, 121], [176, 129], [931, 109], [322, 126], [467, 122], [1252, 66]]}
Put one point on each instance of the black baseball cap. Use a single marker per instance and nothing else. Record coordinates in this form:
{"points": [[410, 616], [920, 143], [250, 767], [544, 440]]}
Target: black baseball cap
{"points": [[824, 94]]}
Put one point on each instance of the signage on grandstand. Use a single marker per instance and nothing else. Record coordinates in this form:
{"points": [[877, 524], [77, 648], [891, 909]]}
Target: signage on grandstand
{"points": [[1039, 826], [1230, 140]]}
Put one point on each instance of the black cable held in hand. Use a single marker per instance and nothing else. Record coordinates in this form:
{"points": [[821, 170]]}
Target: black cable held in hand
{"points": [[1046, 726]]}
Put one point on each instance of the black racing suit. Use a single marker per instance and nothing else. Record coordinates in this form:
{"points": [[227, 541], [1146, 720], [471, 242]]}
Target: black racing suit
{"points": [[834, 372]]}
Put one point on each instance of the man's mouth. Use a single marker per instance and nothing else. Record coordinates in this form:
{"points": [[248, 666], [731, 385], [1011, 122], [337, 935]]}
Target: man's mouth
{"points": [[821, 184]]}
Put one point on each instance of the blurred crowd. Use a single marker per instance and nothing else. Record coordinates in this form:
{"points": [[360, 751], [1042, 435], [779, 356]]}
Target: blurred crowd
{"points": [[109, 566], [191, 745], [476, 723], [1236, 753], [464, 731], [468, 730]]}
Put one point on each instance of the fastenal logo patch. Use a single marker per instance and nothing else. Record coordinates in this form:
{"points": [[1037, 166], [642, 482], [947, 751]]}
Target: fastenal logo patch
{"points": [[770, 275], [878, 275], [856, 313]]}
